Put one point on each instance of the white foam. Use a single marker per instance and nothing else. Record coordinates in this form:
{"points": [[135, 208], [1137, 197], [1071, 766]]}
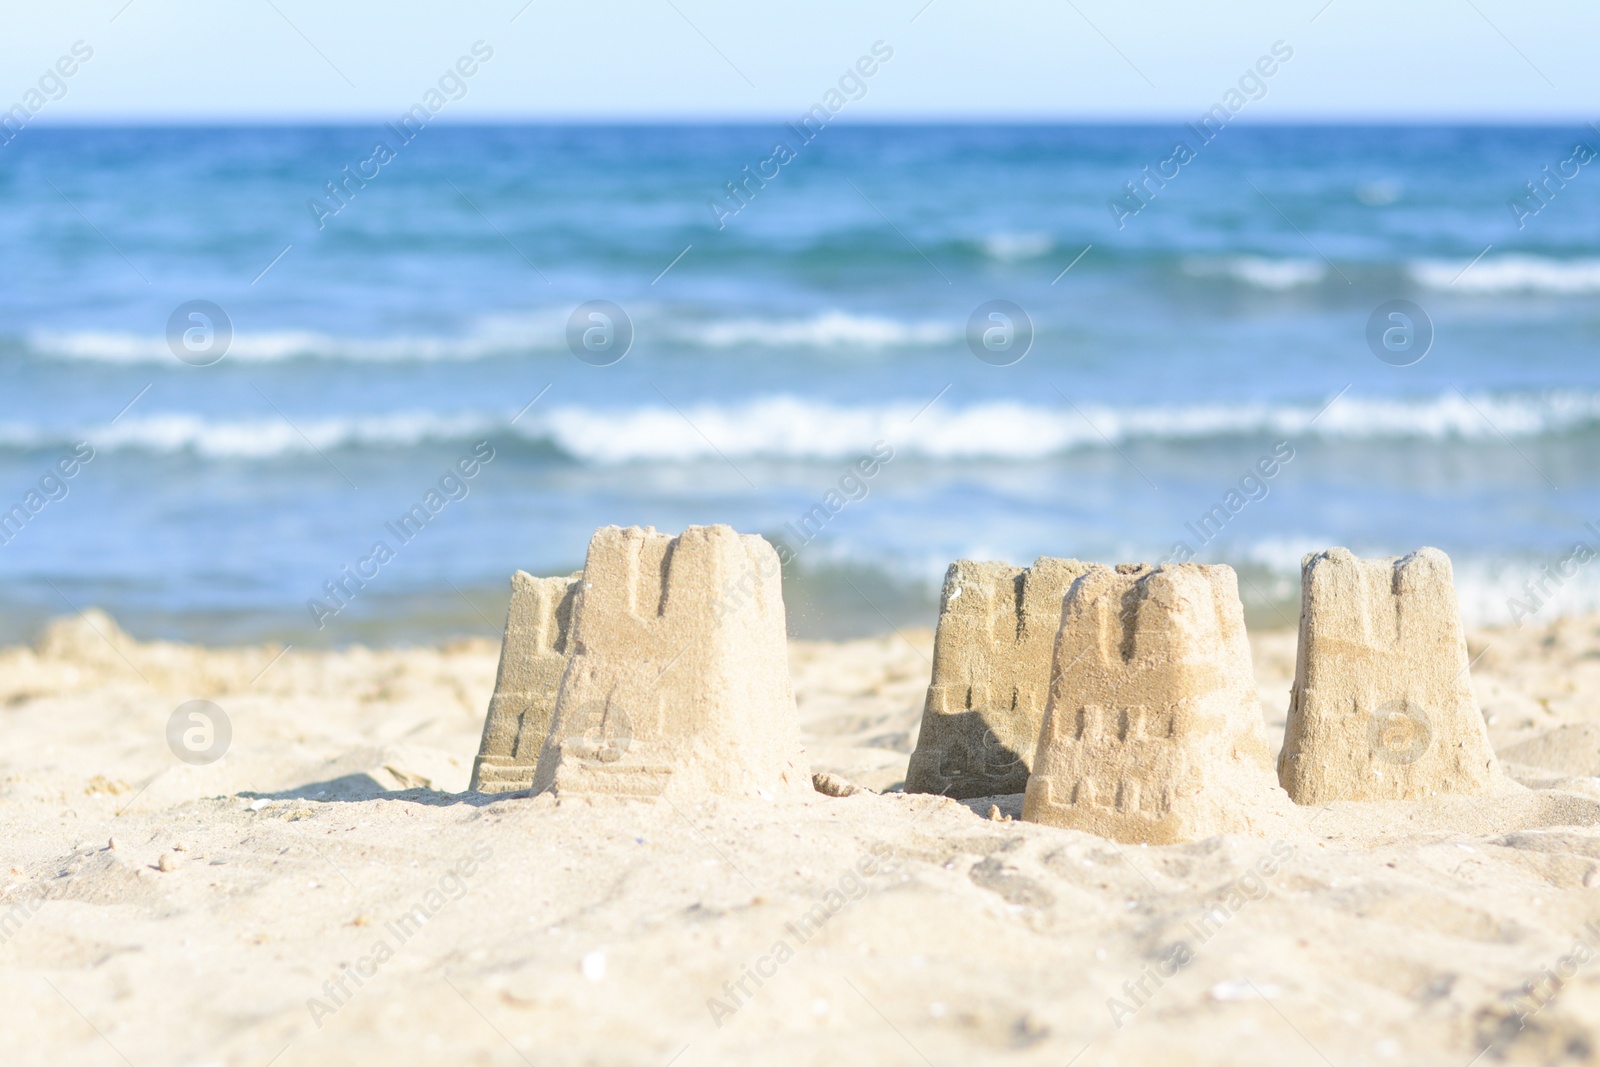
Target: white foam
{"points": [[1501, 591], [1277, 275], [492, 336], [1013, 247], [787, 427], [255, 438], [1455, 415], [538, 331], [1509, 274], [831, 329]]}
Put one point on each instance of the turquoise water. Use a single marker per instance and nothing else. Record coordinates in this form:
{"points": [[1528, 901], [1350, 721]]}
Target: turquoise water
{"points": [[1183, 342]]}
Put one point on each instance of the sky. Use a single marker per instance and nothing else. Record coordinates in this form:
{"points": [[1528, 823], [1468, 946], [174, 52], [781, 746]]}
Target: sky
{"points": [[686, 60]]}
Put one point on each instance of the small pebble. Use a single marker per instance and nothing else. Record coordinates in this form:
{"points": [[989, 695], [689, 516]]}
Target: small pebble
{"points": [[169, 862], [832, 785], [111, 843]]}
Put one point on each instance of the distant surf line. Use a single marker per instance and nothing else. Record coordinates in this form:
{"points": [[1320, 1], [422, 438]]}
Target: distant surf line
{"points": [[791, 428]]}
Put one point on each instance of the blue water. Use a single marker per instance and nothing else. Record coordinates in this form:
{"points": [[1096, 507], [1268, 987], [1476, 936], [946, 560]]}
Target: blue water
{"points": [[770, 353]]}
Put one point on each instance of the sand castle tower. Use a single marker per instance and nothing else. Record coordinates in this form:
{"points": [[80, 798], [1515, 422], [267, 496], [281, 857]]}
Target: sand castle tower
{"points": [[679, 679], [991, 676], [1382, 706], [1153, 731], [532, 659]]}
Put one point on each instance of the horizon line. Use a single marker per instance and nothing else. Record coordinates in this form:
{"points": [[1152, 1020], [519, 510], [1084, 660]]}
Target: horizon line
{"points": [[60, 122]]}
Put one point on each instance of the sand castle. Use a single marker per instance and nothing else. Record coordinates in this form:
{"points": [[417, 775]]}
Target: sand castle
{"points": [[1153, 731], [1122, 702], [678, 683], [991, 676], [1382, 706], [532, 659]]}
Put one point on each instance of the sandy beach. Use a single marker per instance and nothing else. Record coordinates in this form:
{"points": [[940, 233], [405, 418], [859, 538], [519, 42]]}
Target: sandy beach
{"points": [[329, 893], [698, 534]]}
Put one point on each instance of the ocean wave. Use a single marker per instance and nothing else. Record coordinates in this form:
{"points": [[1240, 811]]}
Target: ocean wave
{"points": [[1277, 275], [1510, 274], [790, 428], [540, 331], [831, 329], [1500, 591], [492, 337], [1008, 247], [785, 427], [262, 438]]}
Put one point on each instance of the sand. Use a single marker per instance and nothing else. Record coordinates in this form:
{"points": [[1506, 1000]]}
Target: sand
{"points": [[864, 929], [1153, 733]]}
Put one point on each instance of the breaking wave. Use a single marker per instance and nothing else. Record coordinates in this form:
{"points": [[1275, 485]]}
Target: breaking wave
{"points": [[1510, 274], [831, 329], [1276, 275], [540, 331], [789, 428]]}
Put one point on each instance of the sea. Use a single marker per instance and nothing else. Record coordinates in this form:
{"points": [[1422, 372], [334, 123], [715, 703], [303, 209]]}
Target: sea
{"points": [[263, 352]]}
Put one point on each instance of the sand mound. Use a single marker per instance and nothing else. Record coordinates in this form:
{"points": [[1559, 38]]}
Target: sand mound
{"points": [[1571, 750], [90, 637]]}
